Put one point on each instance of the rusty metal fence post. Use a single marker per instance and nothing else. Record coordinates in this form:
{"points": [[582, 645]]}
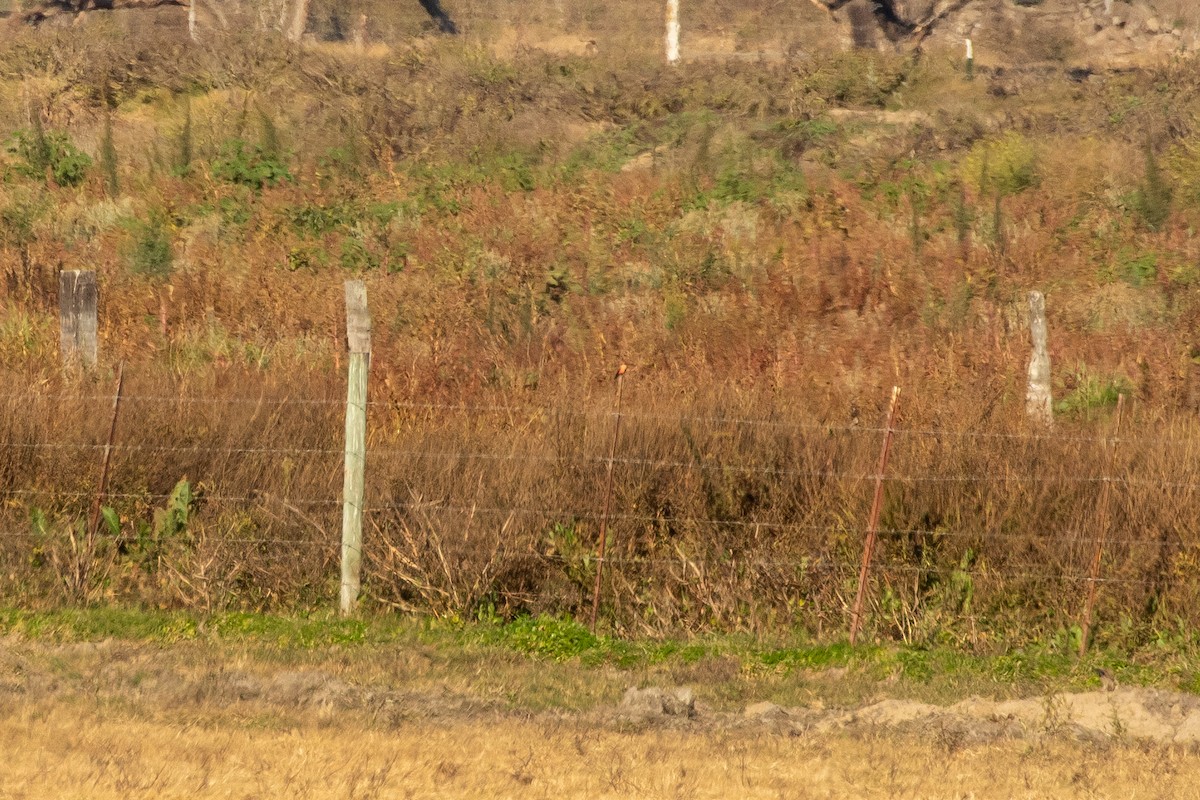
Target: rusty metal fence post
{"points": [[864, 572]]}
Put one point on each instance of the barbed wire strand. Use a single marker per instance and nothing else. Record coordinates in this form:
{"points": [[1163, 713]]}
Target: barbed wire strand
{"points": [[881, 571], [629, 461], [483, 408], [199, 494], [202, 494]]}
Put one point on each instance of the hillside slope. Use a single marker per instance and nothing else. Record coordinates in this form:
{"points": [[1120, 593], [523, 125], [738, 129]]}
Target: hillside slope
{"points": [[771, 239]]}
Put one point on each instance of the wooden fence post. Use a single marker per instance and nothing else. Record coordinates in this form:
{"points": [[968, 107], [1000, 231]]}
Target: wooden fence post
{"points": [[360, 34], [358, 340], [1101, 533], [672, 31], [608, 485], [299, 21], [1037, 395], [864, 572], [77, 298]]}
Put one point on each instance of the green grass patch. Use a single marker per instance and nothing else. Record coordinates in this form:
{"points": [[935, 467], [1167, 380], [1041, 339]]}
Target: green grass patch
{"points": [[930, 672], [91, 624]]}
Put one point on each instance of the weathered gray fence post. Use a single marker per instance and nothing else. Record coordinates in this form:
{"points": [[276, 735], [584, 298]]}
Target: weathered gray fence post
{"points": [[77, 316], [1037, 396], [358, 340]]}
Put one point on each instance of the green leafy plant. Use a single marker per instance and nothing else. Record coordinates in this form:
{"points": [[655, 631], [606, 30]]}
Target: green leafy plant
{"points": [[269, 136], [554, 638], [1091, 393], [24, 208], [748, 179], [306, 258], [964, 218], [355, 256], [516, 173], [172, 520], [577, 558], [249, 165], [1005, 166], [797, 135], [962, 585], [169, 527], [150, 253], [1138, 270], [42, 153], [313, 220]]}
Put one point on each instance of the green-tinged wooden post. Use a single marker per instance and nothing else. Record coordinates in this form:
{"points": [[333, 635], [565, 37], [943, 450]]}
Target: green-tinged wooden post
{"points": [[358, 340]]}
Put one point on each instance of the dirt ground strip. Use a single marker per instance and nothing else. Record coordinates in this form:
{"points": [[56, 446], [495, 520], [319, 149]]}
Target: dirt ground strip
{"points": [[124, 720]]}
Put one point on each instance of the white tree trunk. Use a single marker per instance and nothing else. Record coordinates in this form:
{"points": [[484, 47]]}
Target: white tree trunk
{"points": [[192, 20]]}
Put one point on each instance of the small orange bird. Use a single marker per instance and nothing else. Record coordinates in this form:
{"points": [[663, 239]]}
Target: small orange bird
{"points": [[621, 370]]}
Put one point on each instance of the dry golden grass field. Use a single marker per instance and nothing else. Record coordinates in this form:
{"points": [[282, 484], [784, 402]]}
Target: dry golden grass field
{"points": [[211, 718], [65, 750]]}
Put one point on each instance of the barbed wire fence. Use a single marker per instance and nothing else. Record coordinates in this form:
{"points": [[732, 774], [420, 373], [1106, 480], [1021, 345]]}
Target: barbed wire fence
{"points": [[453, 524], [217, 497]]}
